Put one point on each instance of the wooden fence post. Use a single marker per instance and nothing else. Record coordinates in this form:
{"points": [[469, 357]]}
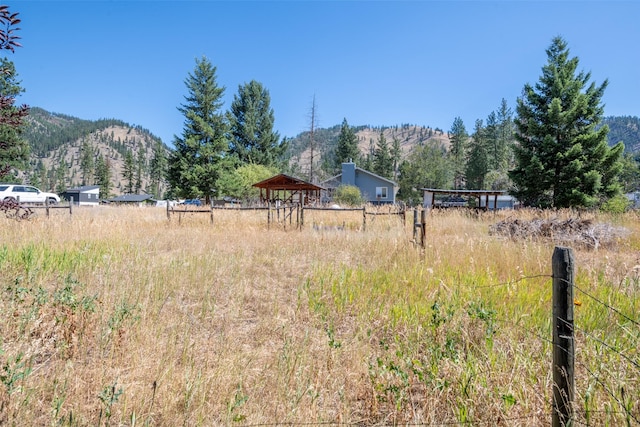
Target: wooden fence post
{"points": [[46, 206], [415, 225], [168, 211], [71, 206], [563, 342], [423, 228], [301, 217], [364, 219]]}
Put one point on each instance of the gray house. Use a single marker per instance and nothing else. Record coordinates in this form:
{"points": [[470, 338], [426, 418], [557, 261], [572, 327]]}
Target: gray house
{"points": [[374, 188], [87, 195]]}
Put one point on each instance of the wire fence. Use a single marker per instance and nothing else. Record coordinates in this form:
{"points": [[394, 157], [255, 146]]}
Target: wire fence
{"points": [[618, 397]]}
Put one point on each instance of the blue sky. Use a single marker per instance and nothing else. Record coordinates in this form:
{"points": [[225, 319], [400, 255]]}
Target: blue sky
{"points": [[371, 62]]}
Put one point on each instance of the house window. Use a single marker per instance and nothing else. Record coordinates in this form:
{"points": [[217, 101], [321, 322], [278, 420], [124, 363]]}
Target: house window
{"points": [[381, 192]]}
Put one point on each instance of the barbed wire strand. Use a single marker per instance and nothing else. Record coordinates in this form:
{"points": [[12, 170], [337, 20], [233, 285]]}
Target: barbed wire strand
{"points": [[604, 387], [626, 411], [511, 282], [615, 350], [635, 322]]}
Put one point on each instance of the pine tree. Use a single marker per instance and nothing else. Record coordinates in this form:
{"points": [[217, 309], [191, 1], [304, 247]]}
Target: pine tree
{"points": [[128, 173], [426, 166], [87, 163], [459, 140], [505, 134], [251, 119], [382, 162], [347, 147], [477, 164], [103, 176], [200, 156], [158, 168], [562, 159], [61, 176]]}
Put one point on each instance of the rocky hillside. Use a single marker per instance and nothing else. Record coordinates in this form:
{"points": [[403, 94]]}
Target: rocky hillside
{"points": [[57, 142], [326, 140]]}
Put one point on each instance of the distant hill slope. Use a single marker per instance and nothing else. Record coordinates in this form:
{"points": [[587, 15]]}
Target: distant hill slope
{"points": [[56, 137], [326, 139], [625, 129]]}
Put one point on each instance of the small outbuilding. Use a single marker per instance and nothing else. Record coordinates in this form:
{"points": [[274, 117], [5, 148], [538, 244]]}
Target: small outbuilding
{"points": [[86, 195], [374, 188], [485, 199], [287, 189], [133, 199]]}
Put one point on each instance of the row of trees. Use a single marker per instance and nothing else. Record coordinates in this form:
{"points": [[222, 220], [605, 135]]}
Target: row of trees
{"points": [[218, 152]]}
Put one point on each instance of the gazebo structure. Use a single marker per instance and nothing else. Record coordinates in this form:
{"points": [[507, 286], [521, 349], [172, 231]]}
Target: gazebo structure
{"points": [[430, 197], [289, 190]]}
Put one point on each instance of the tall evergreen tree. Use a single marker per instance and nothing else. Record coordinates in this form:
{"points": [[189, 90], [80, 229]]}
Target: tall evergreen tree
{"points": [[426, 166], [251, 119], [347, 146], [61, 176], [128, 173], [382, 161], [459, 140], [563, 159], [158, 168], [103, 176], [505, 134], [477, 163], [87, 162], [200, 157]]}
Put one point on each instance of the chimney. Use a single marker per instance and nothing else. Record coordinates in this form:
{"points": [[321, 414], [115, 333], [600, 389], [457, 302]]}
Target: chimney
{"points": [[349, 173]]}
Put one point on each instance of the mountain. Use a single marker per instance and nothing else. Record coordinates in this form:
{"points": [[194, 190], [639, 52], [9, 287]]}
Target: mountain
{"points": [[326, 141], [625, 129], [56, 142]]}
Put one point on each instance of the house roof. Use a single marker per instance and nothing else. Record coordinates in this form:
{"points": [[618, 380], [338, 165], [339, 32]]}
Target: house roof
{"points": [[83, 188], [286, 182], [338, 178], [131, 198]]}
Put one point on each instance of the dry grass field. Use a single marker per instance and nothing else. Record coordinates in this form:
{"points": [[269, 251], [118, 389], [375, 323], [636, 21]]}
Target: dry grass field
{"points": [[117, 316]]}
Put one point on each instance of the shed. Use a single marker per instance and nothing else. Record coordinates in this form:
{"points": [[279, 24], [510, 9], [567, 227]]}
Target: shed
{"points": [[86, 195], [504, 201], [459, 197], [287, 189], [374, 188]]}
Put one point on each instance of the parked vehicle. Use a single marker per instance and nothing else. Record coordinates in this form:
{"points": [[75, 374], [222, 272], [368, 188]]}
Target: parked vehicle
{"points": [[192, 202], [26, 194]]}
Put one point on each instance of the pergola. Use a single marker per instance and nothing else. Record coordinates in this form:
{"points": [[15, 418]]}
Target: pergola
{"points": [[430, 195], [288, 189]]}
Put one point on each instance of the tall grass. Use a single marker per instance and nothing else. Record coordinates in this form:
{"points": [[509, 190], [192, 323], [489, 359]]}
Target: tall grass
{"points": [[121, 317]]}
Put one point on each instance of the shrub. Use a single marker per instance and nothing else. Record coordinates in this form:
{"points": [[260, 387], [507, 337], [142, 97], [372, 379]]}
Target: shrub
{"points": [[348, 195], [617, 204]]}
